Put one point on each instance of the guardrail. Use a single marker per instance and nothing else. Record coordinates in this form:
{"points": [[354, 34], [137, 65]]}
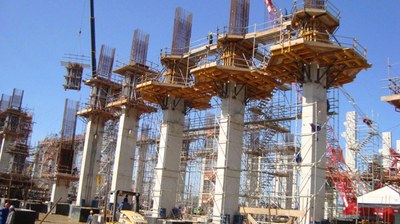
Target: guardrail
{"points": [[393, 85], [318, 4], [150, 64], [350, 42]]}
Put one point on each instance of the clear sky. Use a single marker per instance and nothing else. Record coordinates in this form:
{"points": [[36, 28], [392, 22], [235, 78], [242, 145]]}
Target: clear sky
{"points": [[34, 36]]}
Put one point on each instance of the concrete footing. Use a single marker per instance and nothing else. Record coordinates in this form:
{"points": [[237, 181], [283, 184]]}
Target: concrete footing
{"points": [[25, 216]]}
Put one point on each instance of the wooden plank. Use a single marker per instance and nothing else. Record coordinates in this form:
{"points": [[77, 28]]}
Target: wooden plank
{"points": [[251, 219], [272, 211]]}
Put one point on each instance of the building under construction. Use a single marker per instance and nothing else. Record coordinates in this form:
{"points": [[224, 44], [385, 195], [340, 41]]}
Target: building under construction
{"points": [[239, 126], [15, 132]]}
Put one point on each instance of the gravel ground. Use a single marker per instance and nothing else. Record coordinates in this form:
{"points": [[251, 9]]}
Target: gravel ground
{"points": [[52, 218]]}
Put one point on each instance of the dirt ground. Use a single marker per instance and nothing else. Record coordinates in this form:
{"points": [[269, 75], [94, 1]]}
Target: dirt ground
{"points": [[53, 218]]}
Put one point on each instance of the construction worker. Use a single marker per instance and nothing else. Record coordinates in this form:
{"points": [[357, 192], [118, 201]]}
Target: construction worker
{"points": [[4, 212], [125, 204], [11, 215], [210, 38], [90, 217], [368, 122]]}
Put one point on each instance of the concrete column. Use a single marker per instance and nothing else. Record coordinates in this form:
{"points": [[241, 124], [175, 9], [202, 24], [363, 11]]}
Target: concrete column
{"points": [[167, 168], [230, 143], [5, 157], [60, 189], [125, 151], [351, 140], [90, 161], [140, 169], [398, 146], [313, 145], [386, 145]]}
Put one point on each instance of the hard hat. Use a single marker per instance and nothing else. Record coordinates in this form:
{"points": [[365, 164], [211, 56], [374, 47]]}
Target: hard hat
{"points": [[12, 207], [91, 211]]}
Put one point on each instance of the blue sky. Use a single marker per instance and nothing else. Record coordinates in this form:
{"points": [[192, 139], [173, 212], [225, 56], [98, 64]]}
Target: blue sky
{"points": [[34, 36]]}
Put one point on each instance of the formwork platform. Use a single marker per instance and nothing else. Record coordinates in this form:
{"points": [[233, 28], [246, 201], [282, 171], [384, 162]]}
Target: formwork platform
{"points": [[392, 99], [288, 58], [258, 84], [134, 68], [155, 92]]}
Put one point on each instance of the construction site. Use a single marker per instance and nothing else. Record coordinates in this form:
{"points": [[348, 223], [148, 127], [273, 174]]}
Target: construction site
{"points": [[240, 126]]}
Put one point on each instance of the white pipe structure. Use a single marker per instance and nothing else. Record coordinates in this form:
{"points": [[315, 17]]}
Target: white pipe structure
{"points": [[351, 140]]}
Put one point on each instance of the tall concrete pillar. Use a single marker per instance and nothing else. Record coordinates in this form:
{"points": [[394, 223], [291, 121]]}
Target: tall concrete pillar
{"points": [[386, 145], [125, 151], [313, 144], [167, 168], [90, 161], [230, 143], [60, 190], [5, 157], [351, 140]]}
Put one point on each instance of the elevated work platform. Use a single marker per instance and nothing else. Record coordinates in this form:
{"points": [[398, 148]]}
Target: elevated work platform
{"points": [[392, 99], [259, 84], [320, 15], [288, 59], [133, 74], [134, 68], [155, 92], [101, 81], [86, 112]]}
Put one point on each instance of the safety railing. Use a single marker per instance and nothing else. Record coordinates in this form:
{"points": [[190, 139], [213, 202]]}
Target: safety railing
{"points": [[349, 42], [393, 85], [236, 62], [318, 4], [115, 78], [125, 61], [337, 40]]}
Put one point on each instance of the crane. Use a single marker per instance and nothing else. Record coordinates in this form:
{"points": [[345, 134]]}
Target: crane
{"points": [[273, 11]]}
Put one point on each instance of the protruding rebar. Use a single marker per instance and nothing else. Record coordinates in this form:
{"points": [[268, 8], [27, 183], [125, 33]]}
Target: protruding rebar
{"points": [[182, 31], [239, 17], [139, 48]]}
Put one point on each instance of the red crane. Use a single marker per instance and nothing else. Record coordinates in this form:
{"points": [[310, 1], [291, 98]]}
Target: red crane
{"points": [[273, 12]]}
